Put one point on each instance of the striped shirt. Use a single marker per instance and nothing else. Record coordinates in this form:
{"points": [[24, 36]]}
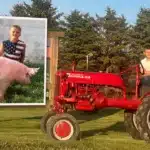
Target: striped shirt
{"points": [[15, 51]]}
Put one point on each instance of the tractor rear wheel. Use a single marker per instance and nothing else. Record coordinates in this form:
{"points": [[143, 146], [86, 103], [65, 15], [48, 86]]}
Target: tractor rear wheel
{"points": [[63, 127], [130, 124], [143, 119], [44, 120]]}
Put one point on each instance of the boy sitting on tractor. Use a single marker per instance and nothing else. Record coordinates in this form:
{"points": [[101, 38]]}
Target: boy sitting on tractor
{"points": [[145, 69]]}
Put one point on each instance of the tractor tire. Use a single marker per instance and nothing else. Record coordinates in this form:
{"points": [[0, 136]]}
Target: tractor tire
{"points": [[63, 127], [130, 124], [44, 120], [143, 119]]}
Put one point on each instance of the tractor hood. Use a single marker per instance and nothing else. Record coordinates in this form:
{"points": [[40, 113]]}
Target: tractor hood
{"points": [[109, 79]]}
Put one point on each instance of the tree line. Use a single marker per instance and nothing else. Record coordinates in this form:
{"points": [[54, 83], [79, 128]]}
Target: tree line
{"points": [[114, 43]]}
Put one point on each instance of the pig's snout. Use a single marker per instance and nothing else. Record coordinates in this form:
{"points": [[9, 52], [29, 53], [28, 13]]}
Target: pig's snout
{"points": [[33, 71]]}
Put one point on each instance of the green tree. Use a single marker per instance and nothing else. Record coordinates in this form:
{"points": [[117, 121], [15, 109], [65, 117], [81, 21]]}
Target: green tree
{"points": [[79, 40], [141, 31], [40, 9], [113, 35]]}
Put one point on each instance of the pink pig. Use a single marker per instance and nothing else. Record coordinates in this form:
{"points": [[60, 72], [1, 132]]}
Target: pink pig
{"points": [[10, 71]]}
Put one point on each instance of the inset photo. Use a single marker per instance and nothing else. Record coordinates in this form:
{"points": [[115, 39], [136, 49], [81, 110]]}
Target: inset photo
{"points": [[23, 50]]}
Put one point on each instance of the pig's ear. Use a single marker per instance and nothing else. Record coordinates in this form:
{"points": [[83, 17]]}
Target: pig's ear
{"points": [[33, 71]]}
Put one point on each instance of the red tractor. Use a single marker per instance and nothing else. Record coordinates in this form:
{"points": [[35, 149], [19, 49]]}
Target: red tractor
{"points": [[87, 91]]}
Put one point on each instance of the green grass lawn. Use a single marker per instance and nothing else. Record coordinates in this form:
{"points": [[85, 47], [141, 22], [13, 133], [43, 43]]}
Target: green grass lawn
{"points": [[20, 130]]}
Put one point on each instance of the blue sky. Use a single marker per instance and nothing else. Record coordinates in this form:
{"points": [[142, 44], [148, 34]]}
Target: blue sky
{"points": [[129, 8]]}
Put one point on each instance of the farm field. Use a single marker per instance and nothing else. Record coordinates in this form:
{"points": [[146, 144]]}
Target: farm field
{"points": [[20, 130]]}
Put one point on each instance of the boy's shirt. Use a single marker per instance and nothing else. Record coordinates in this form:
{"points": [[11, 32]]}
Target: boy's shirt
{"points": [[15, 51], [146, 65]]}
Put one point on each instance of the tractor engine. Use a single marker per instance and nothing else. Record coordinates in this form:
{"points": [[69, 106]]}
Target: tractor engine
{"points": [[86, 91]]}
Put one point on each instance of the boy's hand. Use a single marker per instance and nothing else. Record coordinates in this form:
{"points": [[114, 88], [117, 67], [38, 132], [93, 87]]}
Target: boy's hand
{"points": [[146, 73]]}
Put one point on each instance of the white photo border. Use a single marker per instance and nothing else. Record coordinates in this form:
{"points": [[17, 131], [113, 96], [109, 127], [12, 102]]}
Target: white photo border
{"points": [[45, 62]]}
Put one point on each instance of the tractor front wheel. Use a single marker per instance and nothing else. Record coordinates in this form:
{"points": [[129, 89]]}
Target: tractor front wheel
{"points": [[143, 119], [44, 120], [130, 124], [63, 127]]}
